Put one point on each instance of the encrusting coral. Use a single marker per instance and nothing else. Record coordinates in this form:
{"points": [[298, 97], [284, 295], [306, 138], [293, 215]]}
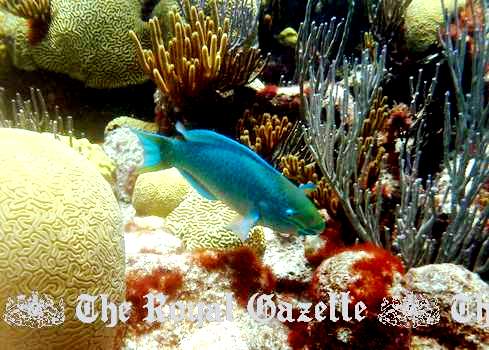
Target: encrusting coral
{"points": [[60, 235], [200, 58], [86, 40]]}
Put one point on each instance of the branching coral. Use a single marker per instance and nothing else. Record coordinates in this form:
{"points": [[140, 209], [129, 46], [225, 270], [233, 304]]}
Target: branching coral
{"points": [[337, 146], [199, 57], [452, 196], [262, 133]]}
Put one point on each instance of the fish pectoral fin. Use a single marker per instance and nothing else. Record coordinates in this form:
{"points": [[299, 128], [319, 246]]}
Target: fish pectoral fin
{"points": [[197, 185], [242, 226]]}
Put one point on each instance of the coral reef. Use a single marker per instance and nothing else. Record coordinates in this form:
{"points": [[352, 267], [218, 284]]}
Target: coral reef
{"points": [[205, 58], [32, 114], [61, 235], [198, 285], [159, 193], [132, 123], [423, 20], [94, 153], [262, 133], [125, 150], [441, 283], [285, 257], [87, 41], [201, 223]]}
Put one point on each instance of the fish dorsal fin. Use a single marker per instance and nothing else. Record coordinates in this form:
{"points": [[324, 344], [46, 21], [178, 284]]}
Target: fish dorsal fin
{"points": [[197, 185], [213, 138]]}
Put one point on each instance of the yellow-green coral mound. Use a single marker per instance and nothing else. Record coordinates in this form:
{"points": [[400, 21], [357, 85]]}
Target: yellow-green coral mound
{"points": [[86, 39], [93, 152], [158, 193], [60, 235], [131, 122], [423, 20], [201, 224]]}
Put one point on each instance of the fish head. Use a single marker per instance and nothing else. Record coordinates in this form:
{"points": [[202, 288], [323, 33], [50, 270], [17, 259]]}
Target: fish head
{"points": [[305, 219]]}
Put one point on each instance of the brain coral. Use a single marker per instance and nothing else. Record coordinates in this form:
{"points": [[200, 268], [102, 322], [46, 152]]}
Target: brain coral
{"points": [[201, 223], [93, 152], [158, 193], [86, 39], [423, 20], [60, 235]]}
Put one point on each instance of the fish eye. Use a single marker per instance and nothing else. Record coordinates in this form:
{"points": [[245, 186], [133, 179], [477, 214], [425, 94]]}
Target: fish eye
{"points": [[289, 213]]}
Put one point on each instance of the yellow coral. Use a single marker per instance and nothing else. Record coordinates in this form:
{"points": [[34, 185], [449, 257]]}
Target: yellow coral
{"points": [[131, 122], [198, 57], [93, 152], [60, 235], [422, 22], [264, 132], [158, 193], [201, 223]]}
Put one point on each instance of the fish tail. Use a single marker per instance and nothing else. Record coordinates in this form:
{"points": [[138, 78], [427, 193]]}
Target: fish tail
{"points": [[158, 151]]}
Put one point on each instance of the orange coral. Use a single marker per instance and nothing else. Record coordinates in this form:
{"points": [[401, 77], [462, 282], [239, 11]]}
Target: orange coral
{"points": [[264, 132]]}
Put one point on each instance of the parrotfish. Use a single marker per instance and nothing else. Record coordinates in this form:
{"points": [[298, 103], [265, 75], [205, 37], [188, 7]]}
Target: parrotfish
{"points": [[220, 168]]}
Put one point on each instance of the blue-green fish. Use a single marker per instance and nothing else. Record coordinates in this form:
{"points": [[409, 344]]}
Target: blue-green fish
{"points": [[221, 168]]}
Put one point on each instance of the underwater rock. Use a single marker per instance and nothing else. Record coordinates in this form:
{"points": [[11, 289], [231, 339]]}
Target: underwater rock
{"points": [[223, 335], [94, 153], [147, 234], [197, 285], [201, 223], [87, 40], [354, 271], [124, 148], [424, 343], [60, 235], [442, 282], [285, 256], [158, 193], [423, 20]]}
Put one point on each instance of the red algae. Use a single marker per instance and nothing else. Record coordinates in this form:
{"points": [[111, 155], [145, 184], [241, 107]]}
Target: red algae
{"points": [[377, 274], [159, 280], [249, 275]]}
